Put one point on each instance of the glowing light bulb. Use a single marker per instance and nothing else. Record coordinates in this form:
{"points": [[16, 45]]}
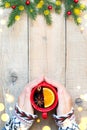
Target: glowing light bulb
{"points": [[4, 117], [2, 107]]}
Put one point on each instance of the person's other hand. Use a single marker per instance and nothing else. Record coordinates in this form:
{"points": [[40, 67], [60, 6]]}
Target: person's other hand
{"points": [[24, 98], [64, 98]]}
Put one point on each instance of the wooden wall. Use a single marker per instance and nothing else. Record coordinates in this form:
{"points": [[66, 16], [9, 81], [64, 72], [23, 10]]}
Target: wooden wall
{"points": [[29, 50]]}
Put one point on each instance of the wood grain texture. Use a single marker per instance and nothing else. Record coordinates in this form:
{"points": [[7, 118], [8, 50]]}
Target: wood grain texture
{"points": [[47, 56], [76, 71], [13, 62]]}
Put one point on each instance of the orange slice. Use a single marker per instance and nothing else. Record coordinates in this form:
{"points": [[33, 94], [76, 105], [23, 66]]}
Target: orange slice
{"points": [[49, 97]]}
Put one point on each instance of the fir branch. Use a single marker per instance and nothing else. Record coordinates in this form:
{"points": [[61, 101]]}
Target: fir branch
{"points": [[48, 19], [12, 15]]}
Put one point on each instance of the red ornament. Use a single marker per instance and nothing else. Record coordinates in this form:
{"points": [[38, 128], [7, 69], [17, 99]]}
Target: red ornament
{"points": [[27, 2], [13, 6], [50, 7], [76, 1], [69, 12]]}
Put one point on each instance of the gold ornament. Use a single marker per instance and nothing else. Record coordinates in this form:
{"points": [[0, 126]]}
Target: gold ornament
{"points": [[21, 7], [31, 10], [46, 12], [40, 4], [82, 6], [17, 17], [7, 5], [77, 11], [58, 3], [79, 20]]}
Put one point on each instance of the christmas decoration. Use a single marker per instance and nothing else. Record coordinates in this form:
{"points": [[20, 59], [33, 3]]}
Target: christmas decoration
{"points": [[13, 7], [76, 1], [50, 7], [73, 8], [69, 12]]}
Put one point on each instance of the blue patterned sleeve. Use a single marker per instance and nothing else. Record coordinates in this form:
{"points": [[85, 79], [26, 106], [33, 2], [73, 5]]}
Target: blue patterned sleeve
{"points": [[67, 121], [21, 120]]}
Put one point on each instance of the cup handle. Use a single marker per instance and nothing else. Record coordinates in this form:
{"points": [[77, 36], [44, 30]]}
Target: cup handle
{"points": [[44, 115]]}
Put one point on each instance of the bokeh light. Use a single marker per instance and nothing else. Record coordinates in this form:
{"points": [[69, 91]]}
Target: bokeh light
{"points": [[46, 128], [84, 97], [9, 98], [2, 107], [83, 123], [38, 120], [80, 109], [78, 87], [5, 117], [3, 22], [10, 108]]}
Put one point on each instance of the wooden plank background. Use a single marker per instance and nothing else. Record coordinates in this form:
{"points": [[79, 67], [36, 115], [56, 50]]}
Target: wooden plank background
{"points": [[29, 50]]}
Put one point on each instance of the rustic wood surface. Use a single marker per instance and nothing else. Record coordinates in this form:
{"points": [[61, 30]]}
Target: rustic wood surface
{"points": [[29, 50]]}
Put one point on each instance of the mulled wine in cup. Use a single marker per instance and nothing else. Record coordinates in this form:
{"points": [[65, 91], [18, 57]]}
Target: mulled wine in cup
{"points": [[44, 98]]}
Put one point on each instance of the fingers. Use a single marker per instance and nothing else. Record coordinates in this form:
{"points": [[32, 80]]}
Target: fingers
{"points": [[54, 83], [27, 104], [21, 99], [34, 83]]}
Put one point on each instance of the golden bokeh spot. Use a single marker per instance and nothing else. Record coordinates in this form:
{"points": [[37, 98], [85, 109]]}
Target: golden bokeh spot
{"points": [[2, 107], [85, 16], [9, 97], [5, 117], [46, 128], [79, 109], [38, 120], [82, 29], [3, 22], [83, 123], [82, 96]]}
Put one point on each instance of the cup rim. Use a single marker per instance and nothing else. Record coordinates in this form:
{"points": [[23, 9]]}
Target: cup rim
{"points": [[42, 84]]}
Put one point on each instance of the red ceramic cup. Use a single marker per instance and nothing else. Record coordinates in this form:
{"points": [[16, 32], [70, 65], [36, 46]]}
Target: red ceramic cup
{"points": [[44, 110]]}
